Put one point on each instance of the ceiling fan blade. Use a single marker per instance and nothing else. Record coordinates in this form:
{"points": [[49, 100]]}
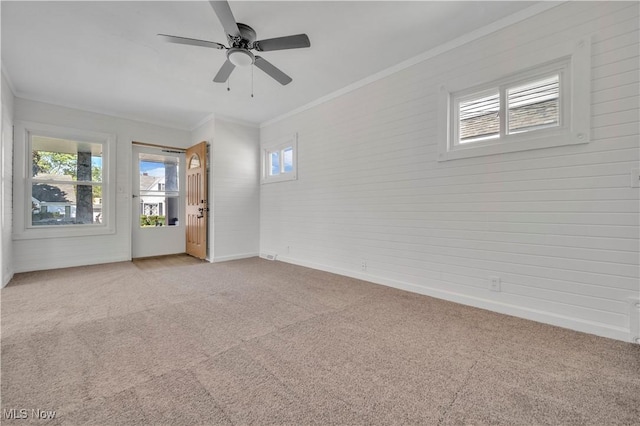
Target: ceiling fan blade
{"points": [[280, 43], [272, 71], [191, 41], [225, 72], [223, 11]]}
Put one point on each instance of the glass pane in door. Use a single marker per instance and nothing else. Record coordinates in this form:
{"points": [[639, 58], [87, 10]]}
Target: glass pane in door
{"points": [[159, 190]]}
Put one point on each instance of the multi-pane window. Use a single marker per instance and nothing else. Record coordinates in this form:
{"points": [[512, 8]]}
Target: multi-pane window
{"points": [[491, 115], [66, 182], [63, 182], [534, 100], [279, 161]]}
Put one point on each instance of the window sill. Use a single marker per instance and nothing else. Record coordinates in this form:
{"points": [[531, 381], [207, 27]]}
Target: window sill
{"points": [[537, 141], [64, 232], [281, 178]]}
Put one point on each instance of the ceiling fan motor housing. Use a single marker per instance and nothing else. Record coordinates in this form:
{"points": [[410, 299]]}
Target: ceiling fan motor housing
{"points": [[246, 39]]}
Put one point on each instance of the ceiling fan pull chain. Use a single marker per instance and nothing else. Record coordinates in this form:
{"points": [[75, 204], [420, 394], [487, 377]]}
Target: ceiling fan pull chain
{"points": [[228, 88], [252, 81]]}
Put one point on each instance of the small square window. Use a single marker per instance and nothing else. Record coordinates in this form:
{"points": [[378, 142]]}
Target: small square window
{"points": [[279, 161]]}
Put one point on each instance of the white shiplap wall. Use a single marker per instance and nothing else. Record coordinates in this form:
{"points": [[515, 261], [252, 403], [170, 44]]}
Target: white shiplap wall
{"points": [[6, 198], [234, 190], [559, 226], [236, 180]]}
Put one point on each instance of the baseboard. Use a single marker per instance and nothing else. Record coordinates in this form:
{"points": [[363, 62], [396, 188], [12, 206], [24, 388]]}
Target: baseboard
{"points": [[234, 257], [550, 318], [6, 278], [58, 264]]}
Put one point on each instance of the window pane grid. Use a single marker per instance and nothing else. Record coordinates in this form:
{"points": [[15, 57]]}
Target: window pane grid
{"points": [[526, 107], [279, 162]]}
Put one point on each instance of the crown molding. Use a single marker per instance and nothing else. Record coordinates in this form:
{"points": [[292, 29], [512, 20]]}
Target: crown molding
{"points": [[9, 81], [450, 45], [237, 121], [101, 111], [203, 121]]}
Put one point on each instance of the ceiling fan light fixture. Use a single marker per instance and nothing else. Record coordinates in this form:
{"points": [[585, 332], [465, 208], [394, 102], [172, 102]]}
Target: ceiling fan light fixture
{"points": [[240, 57]]}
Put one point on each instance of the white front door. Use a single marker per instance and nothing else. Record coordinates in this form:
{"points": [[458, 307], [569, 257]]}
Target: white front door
{"points": [[158, 202]]}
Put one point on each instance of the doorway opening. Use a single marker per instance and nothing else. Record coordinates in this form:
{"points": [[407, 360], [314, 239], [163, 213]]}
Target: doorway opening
{"points": [[158, 201], [169, 207]]}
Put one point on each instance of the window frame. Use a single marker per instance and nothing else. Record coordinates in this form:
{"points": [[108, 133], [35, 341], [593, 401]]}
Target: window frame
{"points": [[23, 182], [279, 146], [571, 61], [560, 68]]}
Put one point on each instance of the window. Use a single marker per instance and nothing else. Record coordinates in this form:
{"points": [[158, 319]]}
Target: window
{"points": [[65, 190], [66, 182], [279, 161], [159, 189], [542, 106], [492, 115]]}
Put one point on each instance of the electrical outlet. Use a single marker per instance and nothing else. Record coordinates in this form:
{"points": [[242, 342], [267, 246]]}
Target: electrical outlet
{"points": [[363, 265], [494, 283]]}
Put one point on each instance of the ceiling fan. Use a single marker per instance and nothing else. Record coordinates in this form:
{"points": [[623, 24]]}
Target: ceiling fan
{"points": [[242, 39]]}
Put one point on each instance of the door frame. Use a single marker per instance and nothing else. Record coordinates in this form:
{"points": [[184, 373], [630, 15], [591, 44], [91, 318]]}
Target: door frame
{"points": [[161, 240]]}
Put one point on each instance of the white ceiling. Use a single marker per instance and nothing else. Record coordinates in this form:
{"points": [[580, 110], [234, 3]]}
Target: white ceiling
{"points": [[106, 57]]}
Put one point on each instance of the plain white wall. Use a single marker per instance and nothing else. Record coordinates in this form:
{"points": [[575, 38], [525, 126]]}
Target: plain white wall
{"points": [[559, 226], [6, 189], [50, 253]]}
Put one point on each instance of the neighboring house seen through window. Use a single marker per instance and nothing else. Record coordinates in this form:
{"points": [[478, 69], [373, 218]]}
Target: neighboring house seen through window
{"points": [[159, 189], [66, 182], [65, 189]]}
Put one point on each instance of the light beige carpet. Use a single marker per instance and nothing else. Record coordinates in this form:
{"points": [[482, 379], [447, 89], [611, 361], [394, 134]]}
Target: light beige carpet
{"points": [[260, 342]]}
